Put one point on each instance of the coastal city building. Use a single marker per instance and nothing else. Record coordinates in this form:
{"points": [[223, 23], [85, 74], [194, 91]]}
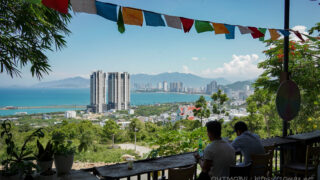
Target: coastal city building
{"points": [[70, 114], [212, 87], [97, 92], [118, 90], [159, 86], [165, 86], [176, 87]]}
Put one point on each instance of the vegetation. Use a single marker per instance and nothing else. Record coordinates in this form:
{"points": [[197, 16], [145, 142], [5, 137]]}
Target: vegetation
{"points": [[202, 111], [27, 31]]}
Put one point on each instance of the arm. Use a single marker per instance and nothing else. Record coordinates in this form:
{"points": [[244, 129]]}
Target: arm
{"points": [[236, 144], [205, 165]]}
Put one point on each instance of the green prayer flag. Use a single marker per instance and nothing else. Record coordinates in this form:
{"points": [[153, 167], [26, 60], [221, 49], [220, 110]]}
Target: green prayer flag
{"points": [[203, 26], [120, 22], [311, 38], [33, 1], [263, 31]]}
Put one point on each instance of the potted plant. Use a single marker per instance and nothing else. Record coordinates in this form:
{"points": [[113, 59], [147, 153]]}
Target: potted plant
{"points": [[18, 161], [44, 156], [63, 153]]}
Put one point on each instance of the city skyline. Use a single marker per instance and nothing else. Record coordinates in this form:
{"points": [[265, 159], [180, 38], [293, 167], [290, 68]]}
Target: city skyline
{"points": [[153, 50]]}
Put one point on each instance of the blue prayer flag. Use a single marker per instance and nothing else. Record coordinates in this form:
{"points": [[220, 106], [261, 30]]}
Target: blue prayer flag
{"points": [[153, 19], [106, 10], [231, 30], [284, 32]]}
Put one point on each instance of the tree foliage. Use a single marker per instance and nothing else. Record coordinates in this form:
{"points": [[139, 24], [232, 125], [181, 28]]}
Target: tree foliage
{"points": [[218, 99], [202, 110], [27, 31]]}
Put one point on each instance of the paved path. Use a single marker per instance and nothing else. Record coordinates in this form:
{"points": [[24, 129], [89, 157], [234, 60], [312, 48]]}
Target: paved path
{"points": [[140, 149]]}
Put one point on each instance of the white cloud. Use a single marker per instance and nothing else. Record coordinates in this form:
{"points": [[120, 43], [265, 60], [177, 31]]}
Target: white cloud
{"points": [[241, 67], [195, 58], [185, 69]]}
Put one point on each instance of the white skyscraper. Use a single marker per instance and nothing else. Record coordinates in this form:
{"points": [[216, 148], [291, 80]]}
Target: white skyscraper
{"points": [[165, 86], [98, 92], [160, 86], [118, 90]]}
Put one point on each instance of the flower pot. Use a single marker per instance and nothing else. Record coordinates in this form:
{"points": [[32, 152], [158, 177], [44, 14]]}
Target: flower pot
{"points": [[44, 165], [63, 163]]}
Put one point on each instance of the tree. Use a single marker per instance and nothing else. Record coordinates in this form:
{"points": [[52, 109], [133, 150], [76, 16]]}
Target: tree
{"points": [[218, 100], [201, 110], [110, 128], [304, 63], [136, 126], [27, 31]]}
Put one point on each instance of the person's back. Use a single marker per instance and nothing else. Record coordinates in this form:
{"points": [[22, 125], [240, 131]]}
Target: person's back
{"points": [[222, 156], [247, 142]]}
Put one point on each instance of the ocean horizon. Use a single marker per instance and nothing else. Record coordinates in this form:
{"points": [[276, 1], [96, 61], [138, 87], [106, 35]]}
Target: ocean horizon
{"points": [[79, 97]]}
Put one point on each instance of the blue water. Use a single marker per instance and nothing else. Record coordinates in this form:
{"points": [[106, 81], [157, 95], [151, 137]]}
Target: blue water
{"points": [[51, 97]]}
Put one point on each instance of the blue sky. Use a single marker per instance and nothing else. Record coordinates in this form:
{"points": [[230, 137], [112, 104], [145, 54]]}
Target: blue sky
{"points": [[96, 44]]}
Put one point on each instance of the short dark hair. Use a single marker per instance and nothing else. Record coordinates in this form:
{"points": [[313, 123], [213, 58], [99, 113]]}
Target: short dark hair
{"points": [[214, 127], [240, 126]]}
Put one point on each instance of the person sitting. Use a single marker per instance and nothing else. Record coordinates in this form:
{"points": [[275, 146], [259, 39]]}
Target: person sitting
{"points": [[246, 142], [219, 155]]}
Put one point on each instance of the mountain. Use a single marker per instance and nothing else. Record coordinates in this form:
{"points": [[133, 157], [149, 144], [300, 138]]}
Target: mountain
{"points": [[239, 85], [75, 82], [188, 80]]}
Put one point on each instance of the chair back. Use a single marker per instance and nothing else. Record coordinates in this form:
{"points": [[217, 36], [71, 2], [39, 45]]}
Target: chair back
{"points": [[240, 171], [271, 150], [184, 173], [312, 157], [261, 165]]}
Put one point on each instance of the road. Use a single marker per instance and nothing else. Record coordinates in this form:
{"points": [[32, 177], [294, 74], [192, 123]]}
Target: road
{"points": [[140, 149]]}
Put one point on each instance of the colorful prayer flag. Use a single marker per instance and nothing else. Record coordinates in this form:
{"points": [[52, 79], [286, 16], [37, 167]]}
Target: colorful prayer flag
{"points": [[132, 16], [244, 30], [231, 29], [220, 28], [263, 31], [203, 26], [274, 34], [297, 33], [106, 10], [120, 22], [153, 19], [173, 21], [284, 32], [86, 6], [255, 32], [58, 5], [187, 24]]}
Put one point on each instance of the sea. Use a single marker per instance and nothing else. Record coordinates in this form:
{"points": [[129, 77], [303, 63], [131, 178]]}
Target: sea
{"points": [[55, 97]]}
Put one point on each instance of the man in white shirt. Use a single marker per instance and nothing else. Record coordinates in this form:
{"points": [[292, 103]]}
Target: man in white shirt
{"points": [[219, 155], [246, 142]]}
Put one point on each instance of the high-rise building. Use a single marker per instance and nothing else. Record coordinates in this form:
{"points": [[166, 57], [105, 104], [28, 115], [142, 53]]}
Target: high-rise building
{"points": [[212, 87], [118, 90], [176, 87], [165, 86], [159, 86], [97, 92]]}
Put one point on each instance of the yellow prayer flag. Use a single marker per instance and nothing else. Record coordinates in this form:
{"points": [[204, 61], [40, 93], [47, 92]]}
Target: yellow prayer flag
{"points": [[274, 34], [132, 16], [220, 28]]}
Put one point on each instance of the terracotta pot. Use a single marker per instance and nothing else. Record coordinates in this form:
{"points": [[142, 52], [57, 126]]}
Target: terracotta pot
{"points": [[44, 165], [63, 163]]}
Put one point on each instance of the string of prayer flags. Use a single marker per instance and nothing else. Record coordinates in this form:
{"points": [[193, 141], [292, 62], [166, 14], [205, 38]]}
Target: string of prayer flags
{"points": [[86, 6], [173, 21], [106, 10], [274, 34], [310, 37], [263, 31], [120, 22], [153, 19], [220, 28], [203, 26], [244, 30], [255, 33], [187, 24], [284, 32], [231, 30], [132, 16], [58, 5]]}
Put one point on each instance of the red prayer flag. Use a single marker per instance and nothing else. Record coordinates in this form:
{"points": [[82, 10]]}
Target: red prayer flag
{"points": [[58, 5], [256, 33], [187, 24], [298, 34]]}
